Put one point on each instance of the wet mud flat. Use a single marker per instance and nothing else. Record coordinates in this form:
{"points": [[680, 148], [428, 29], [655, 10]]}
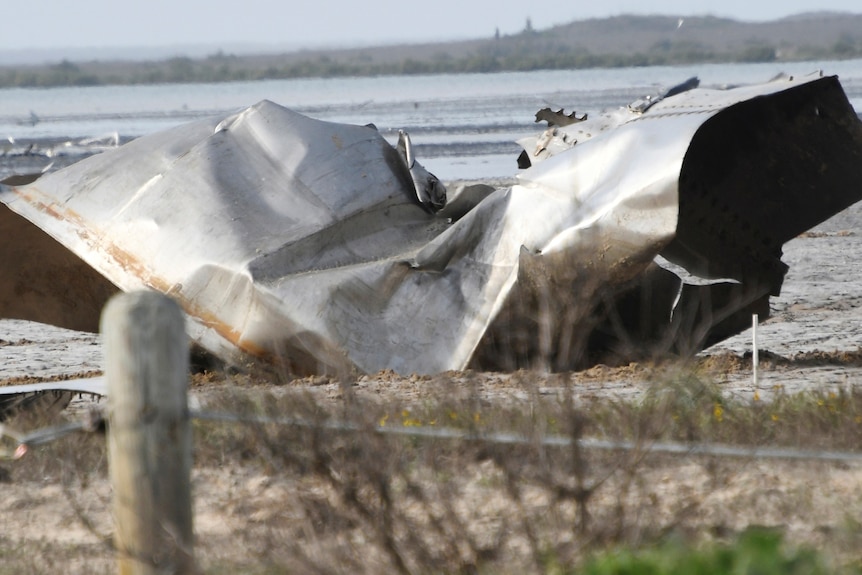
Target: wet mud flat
{"points": [[814, 334]]}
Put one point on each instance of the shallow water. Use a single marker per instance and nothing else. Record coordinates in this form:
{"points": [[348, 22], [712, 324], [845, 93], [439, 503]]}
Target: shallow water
{"points": [[464, 126]]}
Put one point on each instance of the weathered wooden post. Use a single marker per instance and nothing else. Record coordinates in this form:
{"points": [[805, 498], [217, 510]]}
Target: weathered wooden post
{"points": [[149, 436]]}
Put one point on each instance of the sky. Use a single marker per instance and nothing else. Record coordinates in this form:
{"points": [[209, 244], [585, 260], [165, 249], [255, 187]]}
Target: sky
{"points": [[33, 25]]}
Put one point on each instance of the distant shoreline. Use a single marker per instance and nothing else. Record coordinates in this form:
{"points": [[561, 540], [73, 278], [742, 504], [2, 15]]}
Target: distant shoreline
{"points": [[622, 41]]}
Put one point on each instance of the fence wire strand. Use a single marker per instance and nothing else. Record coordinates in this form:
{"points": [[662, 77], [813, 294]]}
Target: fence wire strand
{"points": [[669, 447], [91, 423]]}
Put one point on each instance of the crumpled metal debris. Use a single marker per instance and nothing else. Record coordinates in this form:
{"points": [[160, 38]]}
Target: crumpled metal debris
{"points": [[562, 135], [318, 247]]}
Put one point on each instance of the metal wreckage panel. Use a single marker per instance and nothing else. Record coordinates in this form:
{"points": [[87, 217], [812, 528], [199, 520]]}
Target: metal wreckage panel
{"points": [[310, 246]]}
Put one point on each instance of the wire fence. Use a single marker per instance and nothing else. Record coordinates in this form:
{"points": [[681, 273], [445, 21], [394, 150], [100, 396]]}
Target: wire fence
{"points": [[95, 417], [148, 413]]}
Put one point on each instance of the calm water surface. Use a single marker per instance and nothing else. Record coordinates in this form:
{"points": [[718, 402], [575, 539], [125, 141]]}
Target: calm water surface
{"points": [[464, 125]]}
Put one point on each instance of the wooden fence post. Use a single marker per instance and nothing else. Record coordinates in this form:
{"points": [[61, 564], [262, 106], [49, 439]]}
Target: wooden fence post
{"points": [[149, 436]]}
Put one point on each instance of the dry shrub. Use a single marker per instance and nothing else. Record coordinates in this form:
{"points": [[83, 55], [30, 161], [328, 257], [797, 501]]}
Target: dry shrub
{"points": [[414, 504], [312, 483], [427, 504], [61, 475]]}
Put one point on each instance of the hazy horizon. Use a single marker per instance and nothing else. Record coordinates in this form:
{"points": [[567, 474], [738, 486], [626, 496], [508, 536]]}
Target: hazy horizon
{"points": [[101, 30]]}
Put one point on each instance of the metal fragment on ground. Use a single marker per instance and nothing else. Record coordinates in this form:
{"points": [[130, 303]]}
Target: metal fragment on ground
{"points": [[306, 245]]}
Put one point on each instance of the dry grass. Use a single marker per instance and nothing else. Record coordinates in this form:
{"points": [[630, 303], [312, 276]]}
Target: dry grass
{"points": [[307, 499]]}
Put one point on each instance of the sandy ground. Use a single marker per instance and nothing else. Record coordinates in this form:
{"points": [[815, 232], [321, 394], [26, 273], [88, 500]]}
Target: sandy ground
{"points": [[816, 326]]}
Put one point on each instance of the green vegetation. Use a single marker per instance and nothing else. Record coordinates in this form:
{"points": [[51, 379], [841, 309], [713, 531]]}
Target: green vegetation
{"points": [[218, 69], [757, 551]]}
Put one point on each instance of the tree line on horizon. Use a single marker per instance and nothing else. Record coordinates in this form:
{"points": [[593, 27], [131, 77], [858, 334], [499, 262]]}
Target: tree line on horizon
{"points": [[526, 51]]}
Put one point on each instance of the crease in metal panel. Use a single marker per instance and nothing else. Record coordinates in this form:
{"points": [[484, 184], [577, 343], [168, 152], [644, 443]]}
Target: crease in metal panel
{"points": [[311, 246]]}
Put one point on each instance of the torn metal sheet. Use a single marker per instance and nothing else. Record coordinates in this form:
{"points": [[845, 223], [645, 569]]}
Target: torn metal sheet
{"points": [[47, 397], [770, 162], [314, 247]]}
